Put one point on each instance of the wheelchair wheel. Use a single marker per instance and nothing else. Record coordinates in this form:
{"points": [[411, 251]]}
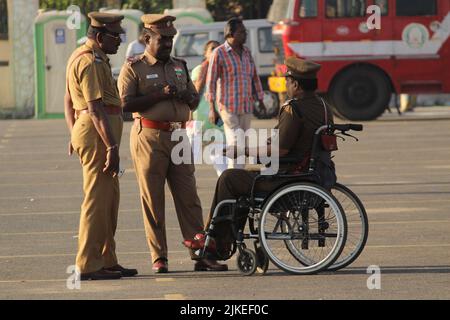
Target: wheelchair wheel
{"points": [[302, 228], [246, 262], [357, 226]]}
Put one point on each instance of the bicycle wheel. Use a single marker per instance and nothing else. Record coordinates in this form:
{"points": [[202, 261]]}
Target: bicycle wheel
{"points": [[302, 228], [357, 226]]}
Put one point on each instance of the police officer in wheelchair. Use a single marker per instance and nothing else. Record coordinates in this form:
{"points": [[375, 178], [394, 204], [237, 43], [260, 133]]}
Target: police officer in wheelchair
{"points": [[299, 118]]}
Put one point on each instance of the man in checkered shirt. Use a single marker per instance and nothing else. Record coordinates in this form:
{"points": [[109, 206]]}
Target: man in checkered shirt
{"points": [[233, 85]]}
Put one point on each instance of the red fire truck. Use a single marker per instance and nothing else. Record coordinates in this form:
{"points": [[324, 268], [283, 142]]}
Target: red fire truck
{"points": [[361, 68]]}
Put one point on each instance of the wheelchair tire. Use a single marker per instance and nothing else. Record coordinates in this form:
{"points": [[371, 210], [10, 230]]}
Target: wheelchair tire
{"points": [[357, 226], [246, 262], [281, 233]]}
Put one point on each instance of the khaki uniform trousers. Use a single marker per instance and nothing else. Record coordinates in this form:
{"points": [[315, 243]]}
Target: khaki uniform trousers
{"points": [[232, 122], [151, 152], [99, 211]]}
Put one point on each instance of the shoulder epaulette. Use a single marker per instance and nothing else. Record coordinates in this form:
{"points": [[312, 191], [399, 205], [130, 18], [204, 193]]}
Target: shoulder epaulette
{"points": [[287, 102], [80, 54], [137, 59], [295, 106]]}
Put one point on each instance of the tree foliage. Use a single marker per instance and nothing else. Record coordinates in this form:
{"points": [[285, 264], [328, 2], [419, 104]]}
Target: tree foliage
{"points": [[220, 9], [147, 6]]}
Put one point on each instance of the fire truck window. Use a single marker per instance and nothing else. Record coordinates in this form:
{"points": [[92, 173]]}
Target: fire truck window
{"points": [[308, 9], [416, 8], [345, 8], [281, 10], [265, 39], [191, 45], [3, 20], [383, 4]]}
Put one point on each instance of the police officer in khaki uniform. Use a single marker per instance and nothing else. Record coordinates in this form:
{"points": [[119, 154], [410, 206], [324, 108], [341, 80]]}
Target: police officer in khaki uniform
{"points": [[94, 117], [157, 89], [298, 120]]}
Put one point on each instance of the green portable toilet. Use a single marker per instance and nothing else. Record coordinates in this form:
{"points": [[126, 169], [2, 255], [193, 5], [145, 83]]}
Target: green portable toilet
{"points": [[54, 43]]}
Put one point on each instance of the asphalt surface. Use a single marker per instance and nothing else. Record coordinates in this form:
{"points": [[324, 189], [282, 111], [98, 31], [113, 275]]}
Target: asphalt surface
{"points": [[400, 169]]}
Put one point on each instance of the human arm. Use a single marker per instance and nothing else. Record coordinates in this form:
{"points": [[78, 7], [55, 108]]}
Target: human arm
{"points": [[128, 84], [266, 150], [257, 88], [289, 126], [93, 93], [69, 114], [211, 85], [143, 103]]}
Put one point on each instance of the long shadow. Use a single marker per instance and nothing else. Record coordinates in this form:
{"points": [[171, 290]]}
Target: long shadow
{"points": [[397, 184], [277, 273], [398, 270], [401, 193]]}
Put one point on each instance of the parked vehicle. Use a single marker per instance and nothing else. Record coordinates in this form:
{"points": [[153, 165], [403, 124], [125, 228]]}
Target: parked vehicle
{"points": [[190, 41], [361, 68]]}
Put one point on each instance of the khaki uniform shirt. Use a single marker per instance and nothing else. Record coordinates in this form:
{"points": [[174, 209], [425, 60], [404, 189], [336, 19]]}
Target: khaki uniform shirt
{"points": [[89, 77], [296, 132], [147, 74]]}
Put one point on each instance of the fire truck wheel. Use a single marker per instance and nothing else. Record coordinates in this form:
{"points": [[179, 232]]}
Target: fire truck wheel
{"points": [[360, 93]]}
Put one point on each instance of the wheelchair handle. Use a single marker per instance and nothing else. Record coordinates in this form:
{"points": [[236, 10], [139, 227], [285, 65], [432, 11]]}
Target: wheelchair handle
{"points": [[340, 127], [348, 127]]}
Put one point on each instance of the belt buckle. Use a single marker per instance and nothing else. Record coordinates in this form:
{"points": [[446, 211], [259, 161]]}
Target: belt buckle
{"points": [[174, 126]]}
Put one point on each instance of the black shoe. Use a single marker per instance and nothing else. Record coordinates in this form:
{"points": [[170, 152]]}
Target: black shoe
{"points": [[101, 275], [211, 265], [123, 271]]}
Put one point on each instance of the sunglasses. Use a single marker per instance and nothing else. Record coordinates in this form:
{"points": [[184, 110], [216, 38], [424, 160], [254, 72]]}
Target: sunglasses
{"points": [[114, 36]]}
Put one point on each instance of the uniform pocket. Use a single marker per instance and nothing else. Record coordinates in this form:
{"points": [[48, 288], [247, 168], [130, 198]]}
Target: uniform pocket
{"points": [[148, 85], [83, 133]]}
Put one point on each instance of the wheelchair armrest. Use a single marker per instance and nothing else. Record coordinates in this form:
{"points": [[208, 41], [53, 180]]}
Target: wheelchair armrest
{"points": [[283, 160]]}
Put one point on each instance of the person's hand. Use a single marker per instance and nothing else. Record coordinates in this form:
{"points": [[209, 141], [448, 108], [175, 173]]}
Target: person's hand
{"points": [[262, 107], [213, 116], [71, 151], [169, 90], [112, 162], [185, 96], [70, 148], [233, 152], [230, 151]]}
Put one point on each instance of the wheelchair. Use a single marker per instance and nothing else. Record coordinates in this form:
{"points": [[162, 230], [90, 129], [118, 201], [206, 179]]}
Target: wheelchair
{"points": [[300, 226]]}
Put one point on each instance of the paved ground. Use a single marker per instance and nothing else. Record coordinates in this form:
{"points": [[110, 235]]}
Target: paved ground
{"points": [[400, 169]]}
